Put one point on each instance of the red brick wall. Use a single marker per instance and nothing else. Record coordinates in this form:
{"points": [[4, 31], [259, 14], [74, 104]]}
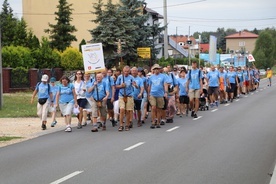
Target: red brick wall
{"points": [[6, 79]]}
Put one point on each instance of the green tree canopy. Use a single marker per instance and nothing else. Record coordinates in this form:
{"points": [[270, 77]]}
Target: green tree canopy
{"points": [[264, 52], [61, 33]]}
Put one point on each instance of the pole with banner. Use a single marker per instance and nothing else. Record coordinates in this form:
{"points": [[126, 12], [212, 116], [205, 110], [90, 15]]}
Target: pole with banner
{"points": [[93, 58]]}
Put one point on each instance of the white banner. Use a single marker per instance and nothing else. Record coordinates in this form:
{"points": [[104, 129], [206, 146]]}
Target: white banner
{"points": [[212, 49], [93, 58], [250, 58]]}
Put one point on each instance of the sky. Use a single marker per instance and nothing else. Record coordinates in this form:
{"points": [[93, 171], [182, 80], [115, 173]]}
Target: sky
{"points": [[189, 16]]}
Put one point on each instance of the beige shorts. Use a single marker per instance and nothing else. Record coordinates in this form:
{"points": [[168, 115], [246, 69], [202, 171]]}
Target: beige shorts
{"points": [[129, 106], [194, 93], [95, 109], [157, 102]]}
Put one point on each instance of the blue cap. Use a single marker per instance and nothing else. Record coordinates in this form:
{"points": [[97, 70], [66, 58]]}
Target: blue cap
{"points": [[53, 79]]}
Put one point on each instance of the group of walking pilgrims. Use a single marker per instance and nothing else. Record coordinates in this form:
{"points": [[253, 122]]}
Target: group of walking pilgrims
{"points": [[126, 97]]}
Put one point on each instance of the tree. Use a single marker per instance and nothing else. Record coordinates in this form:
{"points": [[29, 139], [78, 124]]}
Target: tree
{"points": [[264, 51], [61, 33], [8, 24], [71, 59], [125, 22]]}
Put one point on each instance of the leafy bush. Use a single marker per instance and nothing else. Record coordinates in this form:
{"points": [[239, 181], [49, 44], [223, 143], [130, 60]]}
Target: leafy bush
{"points": [[17, 56], [71, 59], [45, 56]]}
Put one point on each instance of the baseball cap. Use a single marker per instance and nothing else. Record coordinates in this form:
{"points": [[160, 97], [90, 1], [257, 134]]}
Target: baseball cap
{"points": [[44, 78], [53, 79]]}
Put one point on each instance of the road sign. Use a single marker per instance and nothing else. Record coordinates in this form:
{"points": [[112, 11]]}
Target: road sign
{"points": [[144, 52]]}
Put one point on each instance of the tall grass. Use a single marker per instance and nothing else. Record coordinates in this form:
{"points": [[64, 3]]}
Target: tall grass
{"points": [[18, 105]]}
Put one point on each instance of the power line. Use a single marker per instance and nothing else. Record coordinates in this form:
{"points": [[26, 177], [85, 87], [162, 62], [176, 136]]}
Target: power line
{"points": [[222, 20], [179, 4]]}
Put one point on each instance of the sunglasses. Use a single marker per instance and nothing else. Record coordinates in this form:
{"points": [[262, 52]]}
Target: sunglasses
{"points": [[79, 73]]}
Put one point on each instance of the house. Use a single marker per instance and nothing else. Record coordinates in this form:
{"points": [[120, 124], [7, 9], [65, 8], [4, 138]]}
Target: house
{"points": [[175, 50], [241, 42]]}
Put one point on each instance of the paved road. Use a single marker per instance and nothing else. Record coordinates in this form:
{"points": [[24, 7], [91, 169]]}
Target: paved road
{"points": [[234, 144]]}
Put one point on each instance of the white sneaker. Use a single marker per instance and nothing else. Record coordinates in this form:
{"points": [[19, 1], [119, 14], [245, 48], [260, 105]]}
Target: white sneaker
{"points": [[68, 129]]}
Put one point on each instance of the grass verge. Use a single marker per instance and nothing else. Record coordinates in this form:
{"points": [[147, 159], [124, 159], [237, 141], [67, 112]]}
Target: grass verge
{"points": [[18, 105], [8, 138]]}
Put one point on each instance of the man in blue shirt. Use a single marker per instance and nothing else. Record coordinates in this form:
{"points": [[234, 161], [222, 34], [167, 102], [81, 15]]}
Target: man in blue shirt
{"points": [[232, 82], [137, 93], [213, 81], [100, 95], [44, 92], [124, 82], [111, 88], [157, 91], [194, 88]]}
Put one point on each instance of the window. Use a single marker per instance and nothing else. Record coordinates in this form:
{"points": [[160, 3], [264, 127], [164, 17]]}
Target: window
{"points": [[241, 44]]}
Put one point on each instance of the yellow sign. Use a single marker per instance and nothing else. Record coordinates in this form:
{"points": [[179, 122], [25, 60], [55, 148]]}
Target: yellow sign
{"points": [[144, 52]]}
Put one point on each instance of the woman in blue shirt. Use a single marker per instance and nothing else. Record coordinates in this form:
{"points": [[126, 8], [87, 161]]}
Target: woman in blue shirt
{"points": [[182, 93], [43, 90], [66, 99]]}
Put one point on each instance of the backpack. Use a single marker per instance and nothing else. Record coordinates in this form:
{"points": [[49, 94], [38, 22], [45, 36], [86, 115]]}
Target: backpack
{"points": [[48, 87]]}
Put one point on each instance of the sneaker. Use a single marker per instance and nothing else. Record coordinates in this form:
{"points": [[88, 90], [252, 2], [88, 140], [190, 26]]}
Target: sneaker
{"points": [[158, 126], [216, 103], [113, 122], [162, 122], [130, 124], [43, 126], [85, 123], [53, 123], [211, 105], [68, 129], [193, 113], [152, 126], [94, 129], [79, 126], [143, 122], [180, 115]]}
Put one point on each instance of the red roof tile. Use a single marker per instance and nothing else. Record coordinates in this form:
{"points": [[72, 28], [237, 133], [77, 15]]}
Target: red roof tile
{"points": [[242, 34]]}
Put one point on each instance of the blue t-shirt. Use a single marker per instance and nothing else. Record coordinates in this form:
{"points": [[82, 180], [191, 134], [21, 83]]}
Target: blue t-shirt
{"points": [[128, 82], [110, 82], [182, 86], [100, 90], [231, 76], [245, 75], [43, 90], [89, 84], [54, 90], [66, 93], [213, 77], [140, 85], [157, 85], [240, 76], [194, 76]]}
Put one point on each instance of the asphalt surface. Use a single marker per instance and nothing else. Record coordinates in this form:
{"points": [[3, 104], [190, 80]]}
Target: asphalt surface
{"points": [[231, 144]]}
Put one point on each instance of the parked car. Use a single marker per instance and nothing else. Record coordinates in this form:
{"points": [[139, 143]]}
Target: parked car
{"points": [[262, 72]]}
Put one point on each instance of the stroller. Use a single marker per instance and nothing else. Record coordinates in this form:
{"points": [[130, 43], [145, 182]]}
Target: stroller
{"points": [[203, 103]]}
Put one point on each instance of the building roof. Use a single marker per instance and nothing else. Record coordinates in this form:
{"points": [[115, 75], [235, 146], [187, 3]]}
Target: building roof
{"points": [[204, 47], [178, 47], [184, 40], [151, 11], [242, 34]]}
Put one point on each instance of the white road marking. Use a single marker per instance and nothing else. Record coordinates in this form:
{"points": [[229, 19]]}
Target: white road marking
{"points": [[214, 110], [197, 118], [237, 100], [134, 146], [172, 129], [226, 105], [66, 177]]}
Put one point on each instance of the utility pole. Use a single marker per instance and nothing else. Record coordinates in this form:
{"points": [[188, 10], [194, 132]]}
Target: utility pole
{"points": [[166, 30], [199, 40], [189, 48], [119, 50]]}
